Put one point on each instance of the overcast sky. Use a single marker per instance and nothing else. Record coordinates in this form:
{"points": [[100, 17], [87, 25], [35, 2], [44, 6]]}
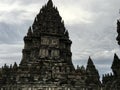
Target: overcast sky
{"points": [[91, 24]]}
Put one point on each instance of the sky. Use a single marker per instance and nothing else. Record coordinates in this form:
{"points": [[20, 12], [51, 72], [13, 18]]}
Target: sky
{"points": [[91, 25]]}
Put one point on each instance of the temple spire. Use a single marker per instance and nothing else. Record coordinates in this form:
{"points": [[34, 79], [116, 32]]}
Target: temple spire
{"points": [[92, 73], [91, 69], [116, 64], [48, 21]]}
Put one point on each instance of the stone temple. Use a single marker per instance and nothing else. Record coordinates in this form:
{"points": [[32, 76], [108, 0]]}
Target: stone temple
{"points": [[47, 60]]}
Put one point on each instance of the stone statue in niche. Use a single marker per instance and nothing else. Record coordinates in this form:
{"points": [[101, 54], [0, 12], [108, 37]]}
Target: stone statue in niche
{"points": [[55, 53], [43, 53], [53, 43], [45, 41]]}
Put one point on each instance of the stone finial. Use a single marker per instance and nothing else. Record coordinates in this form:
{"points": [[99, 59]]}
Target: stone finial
{"points": [[91, 69], [115, 65], [115, 61], [118, 31], [90, 62], [15, 65], [67, 34], [29, 32], [50, 3]]}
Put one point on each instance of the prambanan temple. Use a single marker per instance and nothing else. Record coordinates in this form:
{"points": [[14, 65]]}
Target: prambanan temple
{"points": [[47, 64]]}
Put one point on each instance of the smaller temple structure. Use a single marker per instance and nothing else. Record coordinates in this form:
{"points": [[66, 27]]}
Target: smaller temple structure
{"points": [[112, 81]]}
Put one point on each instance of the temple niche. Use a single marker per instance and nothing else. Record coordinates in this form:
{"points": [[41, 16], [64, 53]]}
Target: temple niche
{"points": [[43, 53]]}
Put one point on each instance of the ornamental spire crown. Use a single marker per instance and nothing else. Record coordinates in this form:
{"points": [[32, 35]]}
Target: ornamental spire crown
{"points": [[48, 21], [116, 62]]}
